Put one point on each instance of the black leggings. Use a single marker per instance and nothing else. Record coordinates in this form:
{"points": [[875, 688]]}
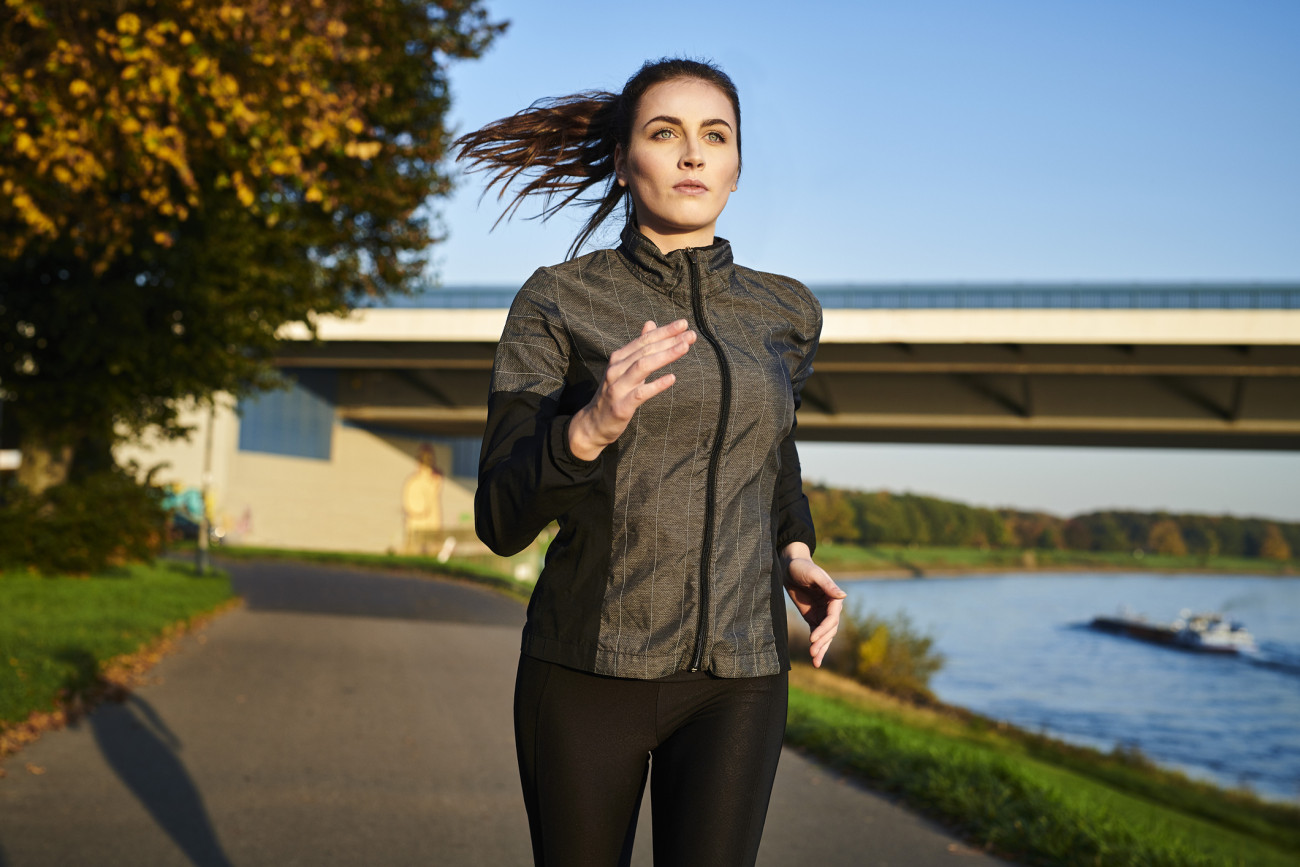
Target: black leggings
{"points": [[584, 743]]}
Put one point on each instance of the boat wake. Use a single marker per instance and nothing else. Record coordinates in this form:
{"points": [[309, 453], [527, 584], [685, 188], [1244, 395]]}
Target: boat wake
{"points": [[1276, 656]]}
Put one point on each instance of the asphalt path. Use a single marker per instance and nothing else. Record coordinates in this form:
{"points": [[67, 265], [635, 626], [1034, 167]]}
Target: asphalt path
{"points": [[350, 717]]}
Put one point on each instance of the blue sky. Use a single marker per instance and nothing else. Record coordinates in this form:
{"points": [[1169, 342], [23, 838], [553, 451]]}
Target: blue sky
{"points": [[960, 141]]}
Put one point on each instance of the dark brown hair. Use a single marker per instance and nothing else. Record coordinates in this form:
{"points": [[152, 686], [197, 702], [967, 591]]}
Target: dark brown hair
{"points": [[560, 147]]}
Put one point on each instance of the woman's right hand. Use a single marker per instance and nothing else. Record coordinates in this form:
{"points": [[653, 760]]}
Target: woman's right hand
{"points": [[624, 387]]}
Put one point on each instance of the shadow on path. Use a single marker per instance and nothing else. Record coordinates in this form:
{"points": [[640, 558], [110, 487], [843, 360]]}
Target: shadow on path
{"points": [[280, 585], [143, 752]]}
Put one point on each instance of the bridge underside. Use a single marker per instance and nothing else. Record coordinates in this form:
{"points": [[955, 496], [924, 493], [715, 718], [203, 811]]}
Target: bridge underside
{"points": [[1167, 396]]}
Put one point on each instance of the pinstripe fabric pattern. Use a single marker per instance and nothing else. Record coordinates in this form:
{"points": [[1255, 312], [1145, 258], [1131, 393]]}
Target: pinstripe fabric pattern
{"points": [[644, 499]]}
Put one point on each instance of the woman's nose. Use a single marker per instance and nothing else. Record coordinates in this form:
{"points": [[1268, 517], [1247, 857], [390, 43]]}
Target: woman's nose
{"points": [[692, 158]]}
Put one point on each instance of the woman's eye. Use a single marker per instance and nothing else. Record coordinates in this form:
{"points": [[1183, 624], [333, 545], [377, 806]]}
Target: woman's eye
{"points": [[717, 137], [663, 134]]}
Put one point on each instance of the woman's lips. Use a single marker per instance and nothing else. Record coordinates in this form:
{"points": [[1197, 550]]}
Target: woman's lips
{"points": [[691, 187]]}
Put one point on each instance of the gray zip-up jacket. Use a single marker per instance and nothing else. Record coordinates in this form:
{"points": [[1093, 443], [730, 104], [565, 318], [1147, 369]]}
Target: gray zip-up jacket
{"points": [[666, 555]]}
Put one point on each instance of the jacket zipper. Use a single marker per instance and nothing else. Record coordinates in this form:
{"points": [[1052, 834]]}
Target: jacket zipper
{"points": [[724, 412]]}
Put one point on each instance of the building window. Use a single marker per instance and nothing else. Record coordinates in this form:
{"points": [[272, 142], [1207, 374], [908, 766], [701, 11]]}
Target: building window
{"points": [[464, 456], [298, 421]]}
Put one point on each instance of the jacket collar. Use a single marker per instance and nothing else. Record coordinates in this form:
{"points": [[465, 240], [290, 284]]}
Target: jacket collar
{"points": [[670, 272]]}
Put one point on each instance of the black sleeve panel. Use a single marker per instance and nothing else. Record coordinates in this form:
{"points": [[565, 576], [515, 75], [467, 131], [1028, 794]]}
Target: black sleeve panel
{"points": [[794, 518], [527, 475]]}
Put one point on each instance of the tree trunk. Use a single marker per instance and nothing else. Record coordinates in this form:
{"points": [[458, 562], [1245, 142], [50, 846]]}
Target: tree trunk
{"points": [[43, 467]]}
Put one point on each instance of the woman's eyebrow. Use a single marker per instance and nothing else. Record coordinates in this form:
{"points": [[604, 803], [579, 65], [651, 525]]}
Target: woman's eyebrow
{"points": [[677, 121]]}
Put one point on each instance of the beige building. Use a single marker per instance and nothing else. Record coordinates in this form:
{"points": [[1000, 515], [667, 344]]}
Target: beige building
{"points": [[287, 471]]}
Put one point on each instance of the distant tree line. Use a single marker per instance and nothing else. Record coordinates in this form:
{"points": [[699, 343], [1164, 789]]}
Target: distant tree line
{"points": [[872, 518]]}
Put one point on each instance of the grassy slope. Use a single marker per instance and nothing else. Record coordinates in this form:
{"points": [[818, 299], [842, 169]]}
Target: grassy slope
{"points": [[1029, 797], [55, 633]]}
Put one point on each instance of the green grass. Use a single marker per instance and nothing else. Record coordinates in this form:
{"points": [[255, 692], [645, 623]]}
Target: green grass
{"points": [[489, 571], [920, 560], [56, 632], [1029, 798]]}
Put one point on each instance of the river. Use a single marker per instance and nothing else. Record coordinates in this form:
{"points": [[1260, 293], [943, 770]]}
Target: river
{"points": [[1018, 649]]}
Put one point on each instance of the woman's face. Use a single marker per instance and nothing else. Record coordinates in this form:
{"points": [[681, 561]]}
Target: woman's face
{"points": [[681, 163]]}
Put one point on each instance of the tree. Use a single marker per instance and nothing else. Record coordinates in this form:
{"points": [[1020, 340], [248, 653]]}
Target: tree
{"points": [[1077, 534], [1108, 535], [1035, 529], [1274, 545], [832, 514], [1199, 533], [180, 178], [1166, 538], [881, 520], [1049, 538]]}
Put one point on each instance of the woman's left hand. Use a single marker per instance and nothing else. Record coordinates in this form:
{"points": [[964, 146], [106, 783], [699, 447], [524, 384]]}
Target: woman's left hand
{"points": [[818, 598]]}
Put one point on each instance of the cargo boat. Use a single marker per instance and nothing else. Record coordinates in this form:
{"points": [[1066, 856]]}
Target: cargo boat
{"points": [[1202, 633]]}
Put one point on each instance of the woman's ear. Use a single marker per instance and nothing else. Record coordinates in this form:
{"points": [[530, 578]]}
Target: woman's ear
{"points": [[620, 165]]}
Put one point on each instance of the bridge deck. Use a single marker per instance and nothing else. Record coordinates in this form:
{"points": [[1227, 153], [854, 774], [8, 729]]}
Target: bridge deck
{"points": [[1221, 378]]}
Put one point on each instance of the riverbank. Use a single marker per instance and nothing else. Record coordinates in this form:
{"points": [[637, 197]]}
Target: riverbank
{"points": [[1029, 797], [851, 561], [847, 561]]}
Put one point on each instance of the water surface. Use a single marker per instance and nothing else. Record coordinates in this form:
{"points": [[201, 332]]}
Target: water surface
{"points": [[1018, 649]]}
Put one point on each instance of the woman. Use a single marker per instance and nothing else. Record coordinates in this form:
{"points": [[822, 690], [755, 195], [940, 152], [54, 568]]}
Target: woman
{"points": [[657, 627]]}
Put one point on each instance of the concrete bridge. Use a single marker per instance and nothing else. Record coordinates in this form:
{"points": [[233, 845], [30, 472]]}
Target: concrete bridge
{"points": [[1191, 366]]}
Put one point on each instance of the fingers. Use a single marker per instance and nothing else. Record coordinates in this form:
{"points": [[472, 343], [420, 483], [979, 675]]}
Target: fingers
{"points": [[810, 575], [625, 386], [830, 622], [822, 580], [647, 390], [653, 339], [829, 587], [628, 389], [825, 627], [820, 640], [656, 356], [631, 365]]}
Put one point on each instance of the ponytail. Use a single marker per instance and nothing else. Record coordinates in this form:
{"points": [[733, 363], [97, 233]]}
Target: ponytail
{"points": [[560, 147]]}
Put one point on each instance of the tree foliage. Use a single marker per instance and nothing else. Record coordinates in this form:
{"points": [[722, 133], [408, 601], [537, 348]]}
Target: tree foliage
{"points": [[1273, 545], [884, 518], [180, 178], [886, 653], [1166, 538], [107, 518]]}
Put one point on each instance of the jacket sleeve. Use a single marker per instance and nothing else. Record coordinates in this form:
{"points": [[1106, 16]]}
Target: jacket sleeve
{"points": [[794, 518], [527, 475]]}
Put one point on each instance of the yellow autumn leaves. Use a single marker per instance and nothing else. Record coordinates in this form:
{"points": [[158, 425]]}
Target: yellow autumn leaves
{"points": [[116, 127], [128, 24]]}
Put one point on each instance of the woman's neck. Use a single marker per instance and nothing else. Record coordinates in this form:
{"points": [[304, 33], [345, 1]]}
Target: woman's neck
{"points": [[670, 241]]}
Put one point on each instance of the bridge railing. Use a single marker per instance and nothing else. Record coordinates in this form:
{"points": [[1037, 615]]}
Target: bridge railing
{"points": [[960, 297]]}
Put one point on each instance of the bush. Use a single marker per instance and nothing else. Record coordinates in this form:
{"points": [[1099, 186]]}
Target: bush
{"points": [[80, 527], [887, 654]]}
